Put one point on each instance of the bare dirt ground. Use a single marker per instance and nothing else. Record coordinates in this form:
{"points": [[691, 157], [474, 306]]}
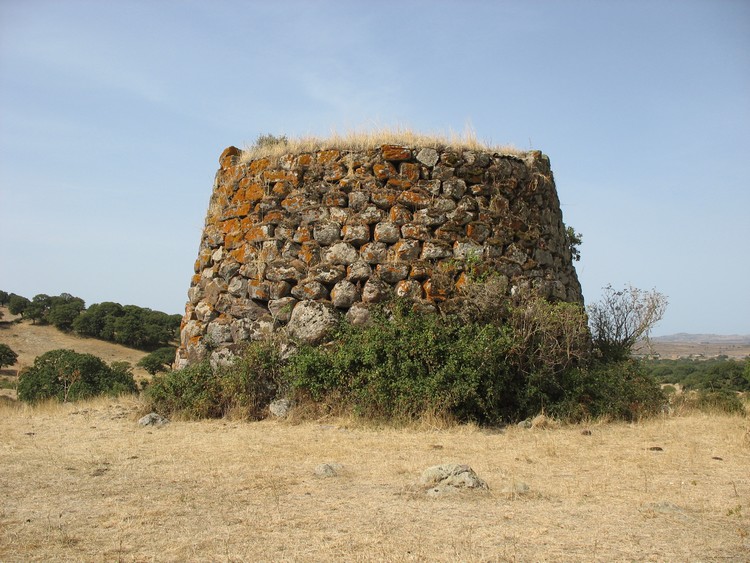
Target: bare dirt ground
{"points": [[29, 341], [83, 482]]}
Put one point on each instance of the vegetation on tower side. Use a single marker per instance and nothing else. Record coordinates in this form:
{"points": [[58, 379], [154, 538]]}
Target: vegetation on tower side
{"points": [[491, 363]]}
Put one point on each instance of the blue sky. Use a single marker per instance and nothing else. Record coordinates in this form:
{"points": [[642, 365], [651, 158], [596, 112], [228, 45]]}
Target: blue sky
{"points": [[113, 115]]}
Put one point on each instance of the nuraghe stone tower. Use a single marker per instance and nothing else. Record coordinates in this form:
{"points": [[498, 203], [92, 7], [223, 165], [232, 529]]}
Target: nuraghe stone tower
{"points": [[293, 242]]}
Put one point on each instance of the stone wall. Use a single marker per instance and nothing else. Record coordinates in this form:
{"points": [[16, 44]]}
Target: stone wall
{"points": [[292, 242]]}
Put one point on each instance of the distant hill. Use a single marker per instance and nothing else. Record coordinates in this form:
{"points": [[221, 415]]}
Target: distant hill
{"points": [[704, 338], [684, 345]]}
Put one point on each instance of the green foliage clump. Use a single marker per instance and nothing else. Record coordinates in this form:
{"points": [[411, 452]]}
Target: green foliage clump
{"points": [[711, 402], [17, 304], [7, 356], [130, 325], [617, 390], [714, 374], [159, 360], [245, 388], [404, 364], [66, 375]]}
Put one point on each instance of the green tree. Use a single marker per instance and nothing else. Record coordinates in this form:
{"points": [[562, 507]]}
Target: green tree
{"points": [[158, 360], [98, 321], [17, 304], [4, 296], [66, 375], [64, 310], [37, 309], [574, 241], [622, 317], [7, 356]]}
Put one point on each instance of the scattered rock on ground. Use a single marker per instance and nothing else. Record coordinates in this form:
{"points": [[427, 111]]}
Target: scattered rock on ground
{"points": [[153, 419], [450, 478], [328, 470], [280, 408]]}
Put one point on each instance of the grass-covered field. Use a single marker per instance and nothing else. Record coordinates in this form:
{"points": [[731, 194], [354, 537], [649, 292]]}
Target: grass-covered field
{"points": [[83, 482]]}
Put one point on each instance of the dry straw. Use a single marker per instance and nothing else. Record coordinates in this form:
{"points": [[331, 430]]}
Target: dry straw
{"points": [[357, 140]]}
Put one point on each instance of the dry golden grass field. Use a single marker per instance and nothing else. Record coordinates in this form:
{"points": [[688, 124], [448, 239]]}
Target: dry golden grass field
{"points": [[84, 482]]}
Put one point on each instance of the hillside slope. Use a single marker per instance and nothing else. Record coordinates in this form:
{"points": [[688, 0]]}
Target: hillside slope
{"points": [[29, 341]]}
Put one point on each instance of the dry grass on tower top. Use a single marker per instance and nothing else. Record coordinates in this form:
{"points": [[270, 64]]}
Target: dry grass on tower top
{"points": [[371, 139]]}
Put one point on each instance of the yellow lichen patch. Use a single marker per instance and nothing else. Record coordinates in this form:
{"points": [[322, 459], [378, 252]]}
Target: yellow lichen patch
{"points": [[325, 157], [259, 165]]}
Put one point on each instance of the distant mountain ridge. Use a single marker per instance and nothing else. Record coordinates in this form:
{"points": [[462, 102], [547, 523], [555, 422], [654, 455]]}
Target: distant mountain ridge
{"points": [[704, 338]]}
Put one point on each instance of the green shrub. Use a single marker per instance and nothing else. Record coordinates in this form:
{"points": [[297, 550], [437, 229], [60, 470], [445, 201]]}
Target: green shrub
{"points": [[66, 375], [244, 388], [7, 356], [711, 402], [621, 390], [404, 364], [158, 360]]}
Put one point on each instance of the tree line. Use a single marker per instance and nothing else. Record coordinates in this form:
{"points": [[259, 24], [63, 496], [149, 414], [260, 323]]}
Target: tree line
{"points": [[129, 325]]}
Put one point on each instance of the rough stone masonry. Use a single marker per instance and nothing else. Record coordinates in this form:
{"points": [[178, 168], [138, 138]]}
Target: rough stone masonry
{"points": [[293, 242]]}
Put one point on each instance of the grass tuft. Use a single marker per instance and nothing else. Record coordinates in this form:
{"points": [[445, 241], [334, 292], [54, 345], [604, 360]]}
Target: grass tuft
{"points": [[358, 140]]}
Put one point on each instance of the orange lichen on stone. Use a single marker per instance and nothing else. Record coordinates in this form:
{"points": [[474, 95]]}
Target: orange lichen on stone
{"points": [[258, 165], [434, 291], [230, 226], [229, 157], [410, 171], [280, 176], [325, 157], [462, 281], [304, 160], [396, 152], [259, 233], [384, 170], [417, 199], [253, 191]]}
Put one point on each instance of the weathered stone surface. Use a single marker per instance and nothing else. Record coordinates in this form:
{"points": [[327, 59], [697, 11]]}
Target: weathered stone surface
{"points": [[327, 233], [153, 419], [409, 289], [375, 291], [341, 253], [281, 309], [392, 273], [344, 294], [327, 470], [357, 234], [400, 220], [396, 152], [358, 271], [406, 250], [428, 157], [328, 273], [436, 250], [387, 232], [280, 408], [358, 314], [450, 478], [311, 321], [374, 252], [310, 289]]}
